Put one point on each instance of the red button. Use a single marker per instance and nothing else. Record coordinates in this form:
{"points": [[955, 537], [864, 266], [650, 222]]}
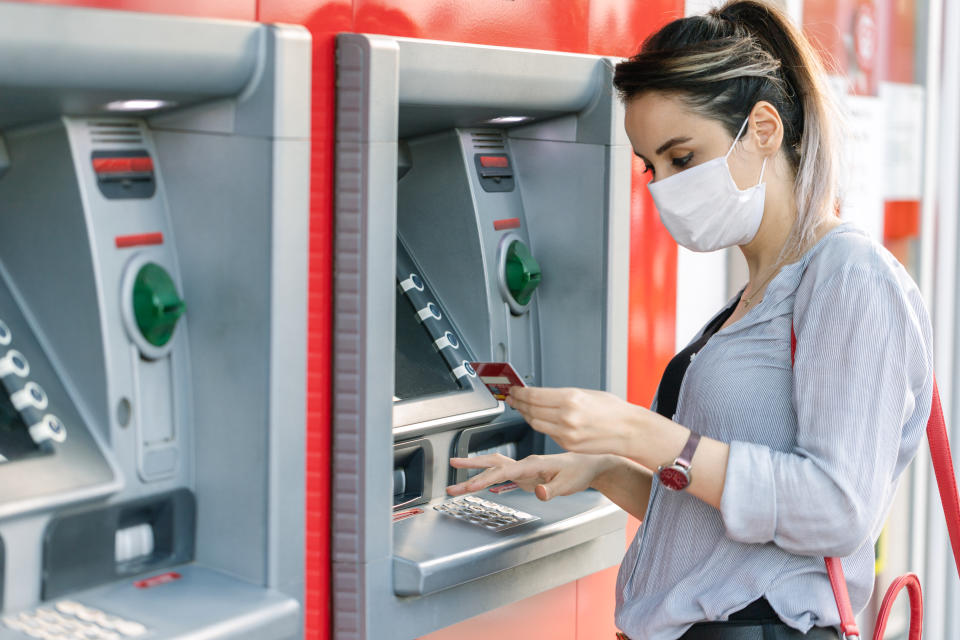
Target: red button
{"points": [[494, 161], [140, 164]]}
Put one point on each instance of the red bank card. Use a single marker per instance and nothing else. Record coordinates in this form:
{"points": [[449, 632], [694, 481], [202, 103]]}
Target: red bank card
{"points": [[499, 377]]}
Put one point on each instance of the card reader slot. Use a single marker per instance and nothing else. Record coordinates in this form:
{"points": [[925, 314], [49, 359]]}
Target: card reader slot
{"points": [[516, 440], [412, 472]]}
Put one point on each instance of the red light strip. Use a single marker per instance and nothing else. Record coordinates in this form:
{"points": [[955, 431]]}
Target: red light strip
{"points": [[403, 515], [139, 240], [140, 164], [495, 161], [506, 223]]}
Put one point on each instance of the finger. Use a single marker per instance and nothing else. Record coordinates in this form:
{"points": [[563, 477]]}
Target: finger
{"points": [[542, 396], [479, 462], [486, 478], [479, 481], [534, 412], [561, 484], [546, 427]]}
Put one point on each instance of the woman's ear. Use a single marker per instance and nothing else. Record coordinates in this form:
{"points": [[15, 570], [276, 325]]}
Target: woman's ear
{"points": [[767, 128]]}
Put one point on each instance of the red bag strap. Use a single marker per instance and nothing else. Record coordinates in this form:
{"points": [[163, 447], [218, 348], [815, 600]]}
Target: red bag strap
{"points": [[950, 499], [943, 470], [912, 584]]}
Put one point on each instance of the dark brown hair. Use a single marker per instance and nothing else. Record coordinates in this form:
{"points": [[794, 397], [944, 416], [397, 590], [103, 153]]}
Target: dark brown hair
{"points": [[724, 62]]}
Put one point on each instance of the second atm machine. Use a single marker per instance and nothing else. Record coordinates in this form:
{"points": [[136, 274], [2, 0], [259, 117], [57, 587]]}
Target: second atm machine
{"points": [[152, 325], [482, 214]]}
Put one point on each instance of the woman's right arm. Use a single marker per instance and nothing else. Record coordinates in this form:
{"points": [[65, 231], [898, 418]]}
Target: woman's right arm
{"points": [[624, 482], [627, 484]]}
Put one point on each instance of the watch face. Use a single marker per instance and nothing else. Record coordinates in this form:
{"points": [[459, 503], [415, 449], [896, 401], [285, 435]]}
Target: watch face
{"points": [[674, 477]]}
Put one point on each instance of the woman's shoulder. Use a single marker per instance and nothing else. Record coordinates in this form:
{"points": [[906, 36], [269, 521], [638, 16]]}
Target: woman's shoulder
{"points": [[849, 252]]}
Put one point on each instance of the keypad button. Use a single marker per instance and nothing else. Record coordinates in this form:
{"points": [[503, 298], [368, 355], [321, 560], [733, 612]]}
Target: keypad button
{"points": [[130, 628], [87, 614], [12, 623], [5, 335], [68, 607]]}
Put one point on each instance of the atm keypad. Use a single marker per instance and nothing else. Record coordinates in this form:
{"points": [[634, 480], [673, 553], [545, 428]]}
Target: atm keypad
{"points": [[484, 513], [73, 621]]}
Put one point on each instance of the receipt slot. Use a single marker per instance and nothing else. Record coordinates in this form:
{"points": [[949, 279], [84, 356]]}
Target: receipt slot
{"points": [[153, 286], [482, 214]]}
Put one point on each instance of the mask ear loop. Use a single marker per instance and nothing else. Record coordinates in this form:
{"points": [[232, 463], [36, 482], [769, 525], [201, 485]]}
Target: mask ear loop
{"points": [[740, 133], [763, 166]]}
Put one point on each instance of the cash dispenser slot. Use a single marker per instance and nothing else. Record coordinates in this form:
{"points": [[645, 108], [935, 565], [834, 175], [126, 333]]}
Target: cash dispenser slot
{"points": [[412, 472], [118, 541]]}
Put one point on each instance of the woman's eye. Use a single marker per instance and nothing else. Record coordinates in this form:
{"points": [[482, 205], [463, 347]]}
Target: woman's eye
{"points": [[682, 161]]}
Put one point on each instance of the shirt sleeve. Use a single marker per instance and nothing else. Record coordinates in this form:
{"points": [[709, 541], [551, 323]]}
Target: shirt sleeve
{"points": [[862, 367]]}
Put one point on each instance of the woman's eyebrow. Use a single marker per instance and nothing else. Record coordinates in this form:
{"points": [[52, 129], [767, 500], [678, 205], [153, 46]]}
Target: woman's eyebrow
{"points": [[669, 143]]}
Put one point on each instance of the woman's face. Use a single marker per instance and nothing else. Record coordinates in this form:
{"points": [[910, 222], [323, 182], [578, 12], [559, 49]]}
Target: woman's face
{"points": [[669, 138]]}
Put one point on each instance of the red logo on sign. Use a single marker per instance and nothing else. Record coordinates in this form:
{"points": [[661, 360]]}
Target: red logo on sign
{"points": [[154, 581]]}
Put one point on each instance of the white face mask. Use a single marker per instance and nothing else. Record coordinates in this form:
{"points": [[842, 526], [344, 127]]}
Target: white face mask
{"points": [[704, 210]]}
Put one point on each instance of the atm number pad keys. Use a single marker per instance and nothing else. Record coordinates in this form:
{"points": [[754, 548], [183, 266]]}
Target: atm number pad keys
{"points": [[73, 621], [484, 513]]}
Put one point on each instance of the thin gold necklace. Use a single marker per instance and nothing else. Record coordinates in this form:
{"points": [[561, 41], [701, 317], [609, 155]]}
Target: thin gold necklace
{"points": [[748, 300]]}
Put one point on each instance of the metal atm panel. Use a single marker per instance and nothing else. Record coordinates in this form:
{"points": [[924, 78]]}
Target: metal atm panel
{"points": [[153, 265], [449, 158]]}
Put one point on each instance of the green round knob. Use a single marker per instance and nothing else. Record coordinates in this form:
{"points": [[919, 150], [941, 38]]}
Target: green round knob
{"points": [[156, 304], [522, 272]]}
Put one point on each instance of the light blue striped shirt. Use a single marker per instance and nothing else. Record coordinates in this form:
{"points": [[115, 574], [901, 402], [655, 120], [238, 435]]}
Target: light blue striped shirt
{"points": [[816, 450]]}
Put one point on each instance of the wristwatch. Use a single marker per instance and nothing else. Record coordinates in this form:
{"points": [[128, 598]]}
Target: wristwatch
{"points": [[676, 476]]}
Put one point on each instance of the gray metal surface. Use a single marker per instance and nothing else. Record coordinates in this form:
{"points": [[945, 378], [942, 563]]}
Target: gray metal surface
{"points": [[459, 552], [390, 88], [200, 605], [92, 57]]}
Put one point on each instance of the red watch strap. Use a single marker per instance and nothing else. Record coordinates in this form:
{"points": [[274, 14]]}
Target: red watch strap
{"points": [[685, 459]]}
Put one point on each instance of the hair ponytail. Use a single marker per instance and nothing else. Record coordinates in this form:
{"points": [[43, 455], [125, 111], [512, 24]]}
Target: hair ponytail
{"points": [[724, 62]]}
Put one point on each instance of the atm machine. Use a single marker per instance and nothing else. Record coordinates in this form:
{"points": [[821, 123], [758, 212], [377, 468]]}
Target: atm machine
{"points": [[153, 265], [482, 214]]}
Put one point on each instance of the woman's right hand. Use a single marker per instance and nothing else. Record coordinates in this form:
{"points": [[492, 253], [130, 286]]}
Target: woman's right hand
{"points": [[547, 476]]}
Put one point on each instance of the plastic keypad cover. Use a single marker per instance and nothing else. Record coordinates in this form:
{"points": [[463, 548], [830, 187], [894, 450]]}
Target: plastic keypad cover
{"points": [[484, 513]]}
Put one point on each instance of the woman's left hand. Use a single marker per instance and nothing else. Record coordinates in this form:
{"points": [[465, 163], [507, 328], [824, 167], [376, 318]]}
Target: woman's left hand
{"points": [[580, 420]]}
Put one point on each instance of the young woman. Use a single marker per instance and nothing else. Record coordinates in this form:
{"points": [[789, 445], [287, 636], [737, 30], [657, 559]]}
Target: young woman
{"points": [[752, 466]]}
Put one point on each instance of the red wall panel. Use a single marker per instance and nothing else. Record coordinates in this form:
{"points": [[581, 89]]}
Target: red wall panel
{"points": [[535, 24], [618, 27]]}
